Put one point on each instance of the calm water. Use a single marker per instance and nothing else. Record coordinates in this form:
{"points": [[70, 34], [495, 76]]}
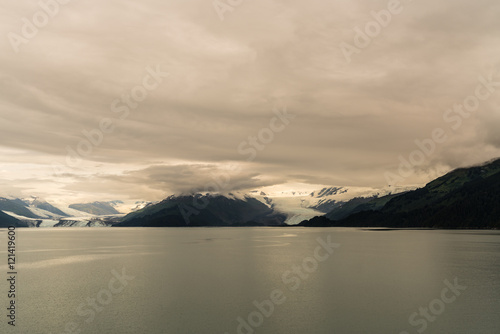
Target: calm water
{"points": [[201, 280]]}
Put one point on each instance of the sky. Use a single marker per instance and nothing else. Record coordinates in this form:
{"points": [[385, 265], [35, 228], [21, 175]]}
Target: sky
{"points": [[138, 100]]}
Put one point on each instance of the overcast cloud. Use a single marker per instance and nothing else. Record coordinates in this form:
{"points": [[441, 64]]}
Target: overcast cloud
{"points": [[352, 120]]}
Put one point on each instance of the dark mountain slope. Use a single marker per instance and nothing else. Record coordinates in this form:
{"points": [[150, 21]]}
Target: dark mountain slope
{"points": [[204, 210], [6, 221], [16, 206], [41, 204], [466, 198]]}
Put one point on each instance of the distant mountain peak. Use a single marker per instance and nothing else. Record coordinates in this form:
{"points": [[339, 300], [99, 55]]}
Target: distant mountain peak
{"points": [[97, 207], [208, 209], [465, 198], [329, 192]]}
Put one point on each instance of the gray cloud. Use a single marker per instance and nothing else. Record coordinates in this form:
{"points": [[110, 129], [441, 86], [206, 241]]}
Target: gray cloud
{"points": [[159, 181], [352, 120]]}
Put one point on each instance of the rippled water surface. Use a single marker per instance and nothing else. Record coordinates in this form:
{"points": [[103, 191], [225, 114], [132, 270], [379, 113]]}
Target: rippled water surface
{"points": [[254, 280]]}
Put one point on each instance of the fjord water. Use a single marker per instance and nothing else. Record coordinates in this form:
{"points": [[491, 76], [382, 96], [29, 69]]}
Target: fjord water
{"points": [[201, 280]]}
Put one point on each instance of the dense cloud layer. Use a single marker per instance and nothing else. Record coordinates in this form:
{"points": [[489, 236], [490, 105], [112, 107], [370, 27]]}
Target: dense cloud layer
{"points": [[101, 67]]}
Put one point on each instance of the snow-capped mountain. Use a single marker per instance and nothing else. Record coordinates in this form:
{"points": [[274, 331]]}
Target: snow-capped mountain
{"points": [[304, 205], [97, 208], [37, 212], [31, 208], [110, 207], [257, 206], [35, 202], [465, 198], [130, 206], [327, 199], [223, 209], [268, 207], [232, 209]]}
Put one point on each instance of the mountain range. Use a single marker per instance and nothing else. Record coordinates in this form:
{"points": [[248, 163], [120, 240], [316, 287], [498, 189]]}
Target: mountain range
{"points": [[97, 208], [205, 210], [463, 198], [466, 198], [255, 207]]}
